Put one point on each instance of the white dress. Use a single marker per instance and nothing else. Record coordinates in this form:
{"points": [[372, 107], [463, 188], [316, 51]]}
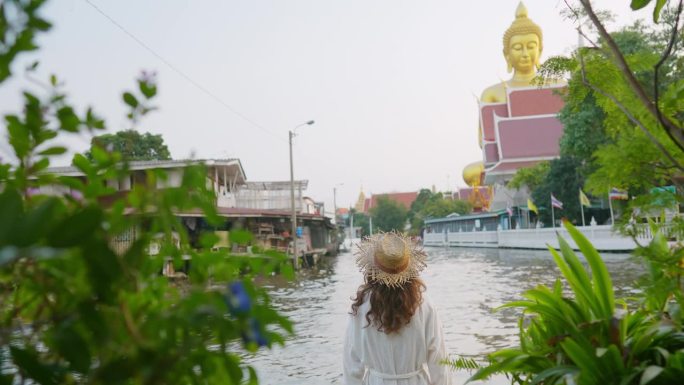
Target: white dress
{"points": [[410, 357]]}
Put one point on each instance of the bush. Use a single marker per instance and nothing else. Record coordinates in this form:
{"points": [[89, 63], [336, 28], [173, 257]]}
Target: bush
{"points": [[585, 339], [73, 308]]}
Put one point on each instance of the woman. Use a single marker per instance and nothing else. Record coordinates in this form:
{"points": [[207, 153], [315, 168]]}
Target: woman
{"points": [[394, 335]]}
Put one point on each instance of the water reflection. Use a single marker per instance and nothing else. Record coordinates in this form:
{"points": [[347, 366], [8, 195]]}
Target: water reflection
{"points": [[464, 284]]}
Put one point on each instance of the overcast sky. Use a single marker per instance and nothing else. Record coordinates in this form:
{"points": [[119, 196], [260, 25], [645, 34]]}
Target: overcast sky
{"points": [[391, 84]]}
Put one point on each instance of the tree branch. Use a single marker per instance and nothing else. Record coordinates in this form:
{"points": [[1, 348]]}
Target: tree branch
{"points": [[629, 115], [675, 132], [663, 58]]}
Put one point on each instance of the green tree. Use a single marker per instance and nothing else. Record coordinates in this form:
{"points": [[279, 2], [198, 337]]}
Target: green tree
{"points": [[437, 208], [626, 87], [75, 310], [581, 338], [648, 105], [434, 205], [415, 215], [563, 181], [132, 145], [532, 177], [388, 215], [360, 220], [616, 140], [583, 127], [424, 195]]}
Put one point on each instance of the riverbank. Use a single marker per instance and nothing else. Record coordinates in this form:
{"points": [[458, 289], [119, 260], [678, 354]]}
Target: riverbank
{"points": [[465, 284]]}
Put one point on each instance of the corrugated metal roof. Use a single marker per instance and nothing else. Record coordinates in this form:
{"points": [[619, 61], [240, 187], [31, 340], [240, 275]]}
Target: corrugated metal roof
{"points": [[148, 164]]}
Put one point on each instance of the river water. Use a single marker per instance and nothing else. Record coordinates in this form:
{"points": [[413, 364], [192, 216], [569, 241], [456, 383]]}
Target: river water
{"points": [[464, 284]]}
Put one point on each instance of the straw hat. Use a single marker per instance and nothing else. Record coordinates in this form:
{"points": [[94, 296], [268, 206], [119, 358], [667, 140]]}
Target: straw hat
{"points": [[390, 258]]}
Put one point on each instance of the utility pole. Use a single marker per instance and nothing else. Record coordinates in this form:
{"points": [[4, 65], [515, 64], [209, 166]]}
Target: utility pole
{"points": [[294, 210], [292, 198]]}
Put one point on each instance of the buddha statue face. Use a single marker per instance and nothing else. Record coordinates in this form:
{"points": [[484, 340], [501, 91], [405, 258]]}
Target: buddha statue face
{"points": [[522, 44], [523, 53]]}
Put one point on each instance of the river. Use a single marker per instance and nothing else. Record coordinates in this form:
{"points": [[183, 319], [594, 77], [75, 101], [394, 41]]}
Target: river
{"points": [[464, 284]]}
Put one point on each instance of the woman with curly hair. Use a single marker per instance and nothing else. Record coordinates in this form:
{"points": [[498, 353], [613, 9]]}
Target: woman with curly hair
{"points": [[394, 335]]}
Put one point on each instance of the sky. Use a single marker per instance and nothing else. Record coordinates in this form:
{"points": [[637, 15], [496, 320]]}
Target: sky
{"points": [[392, 85]]}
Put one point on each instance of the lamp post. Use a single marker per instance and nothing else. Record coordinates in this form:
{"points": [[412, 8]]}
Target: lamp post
{"points": [[335, 202], [292, 197]]}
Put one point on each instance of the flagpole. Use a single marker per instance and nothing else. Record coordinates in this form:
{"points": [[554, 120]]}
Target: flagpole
{"points": [[553, 214], [582, 208], [610, 205]]}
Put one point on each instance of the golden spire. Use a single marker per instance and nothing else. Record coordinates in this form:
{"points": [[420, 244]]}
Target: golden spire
{"points": [[360, 201], [521, 11]]}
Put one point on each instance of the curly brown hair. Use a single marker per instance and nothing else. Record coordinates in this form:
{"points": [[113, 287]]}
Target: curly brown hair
{"points": [[390, 307]]}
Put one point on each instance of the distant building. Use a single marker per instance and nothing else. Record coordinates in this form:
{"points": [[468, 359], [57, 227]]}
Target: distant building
{"points": [[264, 208], [403, 198]]}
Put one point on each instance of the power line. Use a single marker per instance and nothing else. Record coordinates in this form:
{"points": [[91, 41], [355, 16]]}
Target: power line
{"points": [[182, 74]]}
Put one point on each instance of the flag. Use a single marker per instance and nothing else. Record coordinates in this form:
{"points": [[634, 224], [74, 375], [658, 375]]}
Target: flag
{"points": [[509, 210], [531, 206], [617, 194], [584, 201], [556, 203]]}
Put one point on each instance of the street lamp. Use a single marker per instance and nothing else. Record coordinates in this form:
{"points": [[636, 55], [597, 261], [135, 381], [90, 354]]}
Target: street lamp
{"points": [[292, 197], [335, 202]]}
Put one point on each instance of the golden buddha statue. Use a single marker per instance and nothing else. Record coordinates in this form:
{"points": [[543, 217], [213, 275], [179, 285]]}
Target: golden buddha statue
{"points": [[472, 174], [479, 197], [512, 112], [522, 47]]}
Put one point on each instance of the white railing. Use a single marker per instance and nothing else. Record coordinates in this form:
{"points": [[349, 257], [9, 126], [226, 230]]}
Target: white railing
{"points": [[602, 237], [473, 239], [643, 232]]}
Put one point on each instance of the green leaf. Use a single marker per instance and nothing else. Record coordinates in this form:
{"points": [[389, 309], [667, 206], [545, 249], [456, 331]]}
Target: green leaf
{"points": [[508, 364], [83, 164], [40, 165], [650, 374], [554, 373], [12, 209], [130, 99], [68, 120], [253, 378], [39, 24], [580, 285], [56, 150], [92, 121], [19, 136], [28, 362], [71, 182], [658, 7], [75, 229], [638, 4], [99, 154], [208, 240], [584, 358], [603, 286], [37, 222], [74, 348], [147, 89], [7, 379]]}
